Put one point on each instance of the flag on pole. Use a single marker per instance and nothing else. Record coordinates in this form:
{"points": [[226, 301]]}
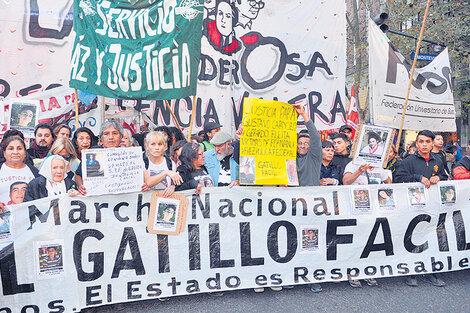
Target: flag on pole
{"points": [[353, 116]]}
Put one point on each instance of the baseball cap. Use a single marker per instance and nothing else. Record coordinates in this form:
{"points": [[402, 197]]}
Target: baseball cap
{"points": [[210, 126], [345, 127]]}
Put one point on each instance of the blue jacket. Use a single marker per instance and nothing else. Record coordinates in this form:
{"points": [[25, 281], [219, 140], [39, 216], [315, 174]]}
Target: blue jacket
{"points": [[213, 166]]}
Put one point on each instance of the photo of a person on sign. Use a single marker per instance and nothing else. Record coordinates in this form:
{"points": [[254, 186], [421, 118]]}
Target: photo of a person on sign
{"points": [[373, 146]]}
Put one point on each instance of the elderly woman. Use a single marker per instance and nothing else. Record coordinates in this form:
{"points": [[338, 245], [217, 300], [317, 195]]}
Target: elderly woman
{"points": [[128, 140], [13, 167], [52, 181], [158, 174], [64, 147], [192, 169], [83, 139]]}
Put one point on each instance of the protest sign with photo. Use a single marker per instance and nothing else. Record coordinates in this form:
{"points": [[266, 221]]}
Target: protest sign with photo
{"points": [[235, 238], [268, 145], [372, 145], [49, 259], [167, 215], [448, 195], [386, 199], [24, 116], [116, 170], [417, 198], [361, 200], [5, 222]]}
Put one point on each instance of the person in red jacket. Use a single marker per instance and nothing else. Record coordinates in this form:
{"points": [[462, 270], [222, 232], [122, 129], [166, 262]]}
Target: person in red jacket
{"points": [[462, 168]]}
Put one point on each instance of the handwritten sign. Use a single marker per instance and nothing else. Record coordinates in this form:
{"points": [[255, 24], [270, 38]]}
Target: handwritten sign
{"points": [[116, 170], [268, 146]]}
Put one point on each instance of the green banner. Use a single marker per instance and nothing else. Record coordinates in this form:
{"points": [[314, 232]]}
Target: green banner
{"points": [[137, 49]]}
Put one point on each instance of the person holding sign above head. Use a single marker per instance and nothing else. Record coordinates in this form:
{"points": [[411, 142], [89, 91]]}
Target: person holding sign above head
{"points": [[220, 163], [210, 129], [52, 181], [159, 174], [425, 167]]}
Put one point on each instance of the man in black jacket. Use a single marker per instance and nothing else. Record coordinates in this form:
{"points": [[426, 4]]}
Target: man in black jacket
{"points": [[425, 167], [422, 166]]}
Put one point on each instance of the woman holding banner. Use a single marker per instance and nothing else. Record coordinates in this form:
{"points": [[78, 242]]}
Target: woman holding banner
{"points": [[13, 167], [192, 169]]}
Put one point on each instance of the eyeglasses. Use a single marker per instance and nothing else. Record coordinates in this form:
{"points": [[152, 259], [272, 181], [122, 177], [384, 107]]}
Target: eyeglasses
{"points": [[255, 4], [303, 144], [200, 153]]}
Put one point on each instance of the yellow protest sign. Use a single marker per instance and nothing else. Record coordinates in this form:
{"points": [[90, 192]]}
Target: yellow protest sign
{"points": [[268, 146]]}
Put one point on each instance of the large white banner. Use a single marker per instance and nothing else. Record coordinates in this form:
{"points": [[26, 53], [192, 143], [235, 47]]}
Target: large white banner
{"points": [[288, 51], [70, 253], [430, 104]]}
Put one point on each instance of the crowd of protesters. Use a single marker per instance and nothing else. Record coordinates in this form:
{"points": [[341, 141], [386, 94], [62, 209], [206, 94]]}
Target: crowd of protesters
{"points": [[52, 166]]}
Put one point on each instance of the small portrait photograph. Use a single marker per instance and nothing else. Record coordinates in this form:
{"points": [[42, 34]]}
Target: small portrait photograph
{"points": [[166, 217], [373, 143], [448, 196], [386, 200], [50, 259], [292, 177], [24, 117], [247, 170], [309, 239], [361, 201], [93, 166], [5, 221], [417, 198]]}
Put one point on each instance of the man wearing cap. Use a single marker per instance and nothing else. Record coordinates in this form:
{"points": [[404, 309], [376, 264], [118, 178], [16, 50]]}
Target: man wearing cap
{"points": [[374, 147], [219, 161], [210, 129], [330, 172], [347, 130]]}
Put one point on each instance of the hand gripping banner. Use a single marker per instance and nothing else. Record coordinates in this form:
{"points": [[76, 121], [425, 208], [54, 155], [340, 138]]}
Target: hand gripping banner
{"points": [[136, 49]]}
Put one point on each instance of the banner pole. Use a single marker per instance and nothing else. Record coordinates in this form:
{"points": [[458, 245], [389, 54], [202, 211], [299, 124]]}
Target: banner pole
{"points": [[173, 114], [191, 122], [103, 110], [412, 73], [77, 124]]}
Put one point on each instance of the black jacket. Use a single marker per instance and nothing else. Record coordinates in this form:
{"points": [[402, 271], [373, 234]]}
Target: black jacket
{"points": [[415, 167], [341, 160], [37, 188], [188, 177]]}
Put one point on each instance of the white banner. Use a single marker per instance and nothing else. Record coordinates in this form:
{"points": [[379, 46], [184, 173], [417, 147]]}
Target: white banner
{"points": [[431, 103], [71, 253]]}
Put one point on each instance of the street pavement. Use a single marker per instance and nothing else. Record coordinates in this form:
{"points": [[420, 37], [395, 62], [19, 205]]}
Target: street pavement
{"points": [[392, 295]]}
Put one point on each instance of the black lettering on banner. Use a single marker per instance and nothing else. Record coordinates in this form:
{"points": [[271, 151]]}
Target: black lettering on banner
{"points": [[315, 100], [174, 283], [97, 257], [141, 206], [259, 205], [271, 207], [352, 272], [323, 205], [109, 293], [228, 208], [409, 246], [386, 246], [90, 293], [116, 209], [56, 305], [192, 286], [211, 112], [153, 290], [335, 202], [441, 232], [319, 274], [5, 88], [370, 270], [420, 268], [337, 272], [245, 246], [333, 239], [304, 206], [276, 279], [214, 244], [338, 108], [5, 310], [204, 62], [176, 110], [382, 270], [204, 207], [224, 68], [81, 210], [463, 263], [131, 290], [98, 208], [35, 213], [235, 69], [8, 273], [403, 268], [136, 264], [194, 245], [242, 207], [163, 254], [261, 280], [228, 281], [459, 227], [215, 280], [300, 272], [273, 241], [25, 309], [436, 266]]}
